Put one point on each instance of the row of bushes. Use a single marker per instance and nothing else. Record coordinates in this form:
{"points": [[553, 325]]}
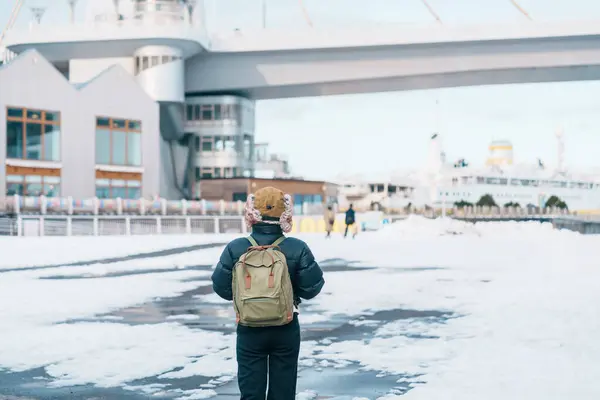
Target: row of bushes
{"points": [[488, 201]]}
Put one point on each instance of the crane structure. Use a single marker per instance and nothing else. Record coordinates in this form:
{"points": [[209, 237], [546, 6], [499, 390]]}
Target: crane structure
{"points": [[12, 19]]}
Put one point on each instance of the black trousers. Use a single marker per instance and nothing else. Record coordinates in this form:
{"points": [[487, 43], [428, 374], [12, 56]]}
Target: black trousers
{"points": [[268, 352], [347, 227]]}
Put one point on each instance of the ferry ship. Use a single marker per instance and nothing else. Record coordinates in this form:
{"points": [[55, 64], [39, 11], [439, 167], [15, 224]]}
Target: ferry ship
{"points": [[443, 184]]}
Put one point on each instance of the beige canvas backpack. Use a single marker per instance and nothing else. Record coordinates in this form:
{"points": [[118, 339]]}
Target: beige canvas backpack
{"points": [[262, 288]]}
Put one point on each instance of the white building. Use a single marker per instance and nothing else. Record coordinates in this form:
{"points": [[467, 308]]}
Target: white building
{"points": [[102, 109]]}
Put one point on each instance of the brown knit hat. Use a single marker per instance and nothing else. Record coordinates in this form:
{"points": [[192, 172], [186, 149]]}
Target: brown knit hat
{"points": [[269, 202]]}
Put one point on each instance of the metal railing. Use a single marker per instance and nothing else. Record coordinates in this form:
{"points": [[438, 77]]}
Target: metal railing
{"points": [[59, 225]]}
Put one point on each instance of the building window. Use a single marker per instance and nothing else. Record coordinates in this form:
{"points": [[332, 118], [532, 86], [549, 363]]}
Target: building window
{"points": [[118, 142], [32, 134], [122, 188], [247, 147], [228, 113], [240, 196], [24, 183]]}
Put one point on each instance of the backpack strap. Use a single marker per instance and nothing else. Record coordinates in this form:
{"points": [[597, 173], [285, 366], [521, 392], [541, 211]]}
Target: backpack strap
{"points": [[252, 241], [278, 241]]}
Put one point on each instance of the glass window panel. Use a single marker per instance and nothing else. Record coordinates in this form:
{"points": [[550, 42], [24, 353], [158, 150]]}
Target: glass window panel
{"points": [[218, 114], [52, 142], [15, 112], [219, 144], [119, 124], [51, 189], [247, 148], [134, 149], [206, 175], [102, 146], [207, 113], [33, 189], [135, 125], [14, 139], [236, 112], [119, 192], [229, 143], [154, 61], [134, 193], [117, 182], [52, 179], [102, 192], [165, 59], [52, 116], [15, 188], [34, 114], [33, 179], [189, 112], [217, 172], [196, 112], [119, 144], [224, 111], [33, 148], [197, 173], [207, 146], [14, 178], [102, 182], [137, 65], [144, 63], [197, 143], [133, 183], [104, 122]]}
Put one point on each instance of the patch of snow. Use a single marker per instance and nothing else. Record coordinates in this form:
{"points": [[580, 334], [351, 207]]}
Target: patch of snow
{"points": [[196, 394], [307, 395], [186, 317], [211, 298], [56, 250], [106, 354], [212, 365]]}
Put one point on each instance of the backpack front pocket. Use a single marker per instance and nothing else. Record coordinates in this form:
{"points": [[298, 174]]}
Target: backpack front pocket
{"points": [[262, 309]]}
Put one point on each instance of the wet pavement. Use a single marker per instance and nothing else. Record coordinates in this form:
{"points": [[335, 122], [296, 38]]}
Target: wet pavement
{"points": [[205, 312]]}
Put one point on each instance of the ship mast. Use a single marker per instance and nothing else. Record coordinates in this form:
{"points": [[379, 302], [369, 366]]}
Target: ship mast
{"points": [[560, 150]]}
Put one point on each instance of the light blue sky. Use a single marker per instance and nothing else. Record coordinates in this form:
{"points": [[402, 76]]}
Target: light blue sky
{"points": [[378, 132]]}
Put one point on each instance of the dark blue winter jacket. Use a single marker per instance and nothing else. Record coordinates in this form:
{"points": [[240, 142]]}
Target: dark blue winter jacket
{"points": [[307, 276]]}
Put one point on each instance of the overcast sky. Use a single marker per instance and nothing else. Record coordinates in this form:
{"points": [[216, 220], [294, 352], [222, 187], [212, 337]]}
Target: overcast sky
{"points": [[377, 132]]}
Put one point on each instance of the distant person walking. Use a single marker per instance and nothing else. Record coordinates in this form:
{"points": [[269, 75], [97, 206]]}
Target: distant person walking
{"points": [[329, 220], [350, 220], [266, 274]]}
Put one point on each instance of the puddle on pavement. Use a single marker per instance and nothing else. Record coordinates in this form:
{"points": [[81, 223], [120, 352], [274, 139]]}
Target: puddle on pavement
{"points": [[346, 382]]}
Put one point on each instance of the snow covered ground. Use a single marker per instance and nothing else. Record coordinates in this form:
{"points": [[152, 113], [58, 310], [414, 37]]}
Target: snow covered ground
{"points": [[519, 300]]}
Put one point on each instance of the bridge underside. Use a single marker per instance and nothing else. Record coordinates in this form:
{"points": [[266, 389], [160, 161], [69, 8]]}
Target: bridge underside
{"points": [[419, 82], [299, 73]]}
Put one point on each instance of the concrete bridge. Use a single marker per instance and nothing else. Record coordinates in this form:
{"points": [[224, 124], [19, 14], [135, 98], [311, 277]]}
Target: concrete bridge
{"points": [[264, 64]]}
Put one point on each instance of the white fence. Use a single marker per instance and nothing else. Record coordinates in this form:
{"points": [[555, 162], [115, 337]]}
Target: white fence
{"points": [[37, 225]]}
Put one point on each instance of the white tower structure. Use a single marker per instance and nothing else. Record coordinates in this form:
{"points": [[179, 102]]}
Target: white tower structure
{"points": [[501, 153]]}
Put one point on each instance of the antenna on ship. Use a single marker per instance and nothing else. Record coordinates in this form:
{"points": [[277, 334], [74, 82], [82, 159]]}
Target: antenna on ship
{"points": [[561, 149], [116, 4], [190, 5], [72, 4], [37, 13]]}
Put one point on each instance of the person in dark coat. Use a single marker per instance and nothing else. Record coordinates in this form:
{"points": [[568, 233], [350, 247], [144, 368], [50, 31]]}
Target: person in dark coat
{"points": [[350, 220], [270, 352]]}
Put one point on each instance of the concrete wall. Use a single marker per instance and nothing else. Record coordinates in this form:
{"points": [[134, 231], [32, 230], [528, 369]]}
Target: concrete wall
{"points": [[116, 94], [30, 81], [82, 70]]}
